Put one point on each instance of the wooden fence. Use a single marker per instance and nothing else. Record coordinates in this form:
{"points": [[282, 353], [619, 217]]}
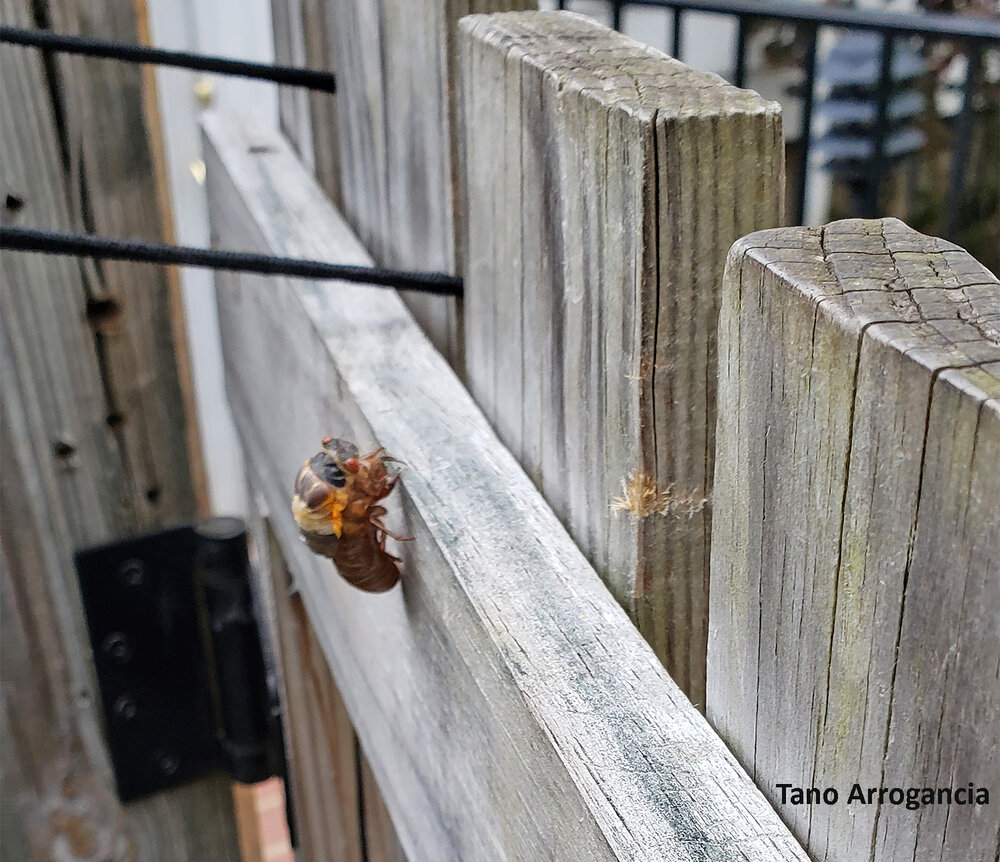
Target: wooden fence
{"points": [[505, 705], [594, 257], [96, 441], [856, 552]]}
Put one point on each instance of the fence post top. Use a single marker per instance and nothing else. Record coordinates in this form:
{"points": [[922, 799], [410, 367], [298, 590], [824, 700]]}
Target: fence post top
{"points": [[581, 56]]}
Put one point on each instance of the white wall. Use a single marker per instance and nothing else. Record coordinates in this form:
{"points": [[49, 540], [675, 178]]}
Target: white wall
{"points": [[230, 28]]}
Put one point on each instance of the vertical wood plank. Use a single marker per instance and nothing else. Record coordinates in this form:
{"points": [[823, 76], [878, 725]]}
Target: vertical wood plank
{"points": [[82, 445], [595, 247], [381, 843], [320, 739], [302, 31], [856, 547], [294, 118], [338, 809], [395, 65], [110, 177]]}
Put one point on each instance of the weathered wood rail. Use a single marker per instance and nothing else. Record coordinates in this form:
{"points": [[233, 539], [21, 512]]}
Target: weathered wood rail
{"points": [[508, 707], [854, 630], [604, 185]]}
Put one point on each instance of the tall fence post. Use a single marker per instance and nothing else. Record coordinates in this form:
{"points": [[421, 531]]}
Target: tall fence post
{"points": [[856, 539], [604, 184]]}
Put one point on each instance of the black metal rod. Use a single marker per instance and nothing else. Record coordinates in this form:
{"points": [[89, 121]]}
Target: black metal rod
{"points": [[616, 14], [962, 142], [808, 96], [313, 79], [876, 164], [740, 74], [934, 24], [89, 245], [678, 34]]}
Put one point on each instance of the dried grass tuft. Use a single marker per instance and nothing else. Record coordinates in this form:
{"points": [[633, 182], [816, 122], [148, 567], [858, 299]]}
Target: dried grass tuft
{"points": [[642, 497]]}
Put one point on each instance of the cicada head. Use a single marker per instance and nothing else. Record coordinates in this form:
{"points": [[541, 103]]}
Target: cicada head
{"points": [[322, 491], [343, 453]]}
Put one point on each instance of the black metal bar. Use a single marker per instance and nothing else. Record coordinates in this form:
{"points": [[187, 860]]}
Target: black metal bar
{"points": [[962, 142], [313, 79], [616, 14], [807, 111], [89, 245], [561, 6], [935, 24], [678, 34], [740, 73], [876, 164]]}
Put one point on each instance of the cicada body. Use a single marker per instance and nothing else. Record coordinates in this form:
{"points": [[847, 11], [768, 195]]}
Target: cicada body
{"points": [[336, 506]]}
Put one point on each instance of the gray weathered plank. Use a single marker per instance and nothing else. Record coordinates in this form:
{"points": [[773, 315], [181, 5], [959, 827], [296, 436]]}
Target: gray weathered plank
{"points": [[856, 545], [507, 706], [381, 842], [395, 64], [302, 31], [339, 811], [77, 460], [111, 180], [604, 184]]}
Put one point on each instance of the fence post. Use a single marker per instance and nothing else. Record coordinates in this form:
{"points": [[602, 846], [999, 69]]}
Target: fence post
{"points": [[604, 184], [855, 549], [395, 66]]}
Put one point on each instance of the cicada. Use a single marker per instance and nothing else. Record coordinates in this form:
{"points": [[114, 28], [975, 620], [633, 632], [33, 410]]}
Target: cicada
{"points": [[336, 506]]}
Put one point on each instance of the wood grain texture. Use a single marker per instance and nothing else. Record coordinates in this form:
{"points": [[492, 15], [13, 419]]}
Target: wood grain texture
{"points": [[508, 707], [72, 479], [302, 32], [395, 63], [604, 184], [381, 842], [111, 180], [319, 736], [856, 546], [338, 808]]}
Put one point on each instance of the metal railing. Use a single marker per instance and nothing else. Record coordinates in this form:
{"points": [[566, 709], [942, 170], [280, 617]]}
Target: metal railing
{"points": [[970, 36]]}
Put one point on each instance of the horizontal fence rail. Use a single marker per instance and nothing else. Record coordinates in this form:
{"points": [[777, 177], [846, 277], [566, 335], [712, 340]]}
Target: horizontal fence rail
{"points": [[508, 707], [970, 35]]}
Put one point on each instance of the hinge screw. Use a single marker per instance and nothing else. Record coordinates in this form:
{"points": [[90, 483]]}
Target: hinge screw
{"points": [[126, 708], [132, 573], [167, 762], [118, 647]]}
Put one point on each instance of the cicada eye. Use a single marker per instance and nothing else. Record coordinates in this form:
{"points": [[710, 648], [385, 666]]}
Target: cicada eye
{"points": [[351, 465], [324, 467]]}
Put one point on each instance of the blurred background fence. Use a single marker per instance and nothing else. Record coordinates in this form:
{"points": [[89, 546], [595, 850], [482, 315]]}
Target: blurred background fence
{"points": [[886, 111]]}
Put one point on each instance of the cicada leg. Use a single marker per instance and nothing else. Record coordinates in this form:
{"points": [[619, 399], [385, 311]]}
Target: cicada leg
{"points": [[375, 514]]}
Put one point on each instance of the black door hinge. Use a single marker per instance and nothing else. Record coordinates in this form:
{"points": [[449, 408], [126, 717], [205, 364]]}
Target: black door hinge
{"points": [[179, 660]]}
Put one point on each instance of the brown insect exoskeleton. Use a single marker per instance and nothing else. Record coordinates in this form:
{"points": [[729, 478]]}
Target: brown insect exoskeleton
{"points": [[336, 505]]}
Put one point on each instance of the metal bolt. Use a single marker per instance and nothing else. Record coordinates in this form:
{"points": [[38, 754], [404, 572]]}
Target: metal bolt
{"points": [[167, 763], [118, 647], [126, 708], [132, 573]]}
